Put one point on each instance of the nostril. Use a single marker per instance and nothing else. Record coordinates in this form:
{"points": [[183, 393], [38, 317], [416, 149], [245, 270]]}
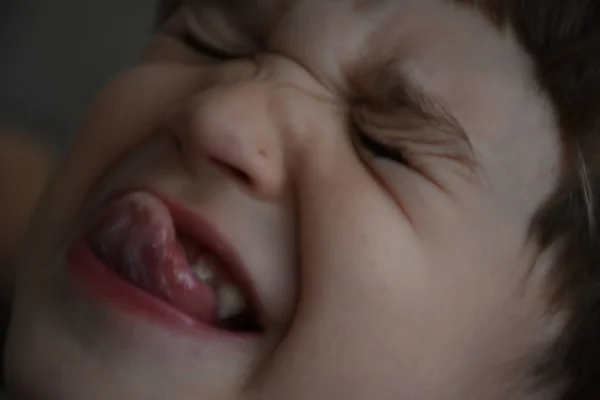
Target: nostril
{"points": [[233, 171]]}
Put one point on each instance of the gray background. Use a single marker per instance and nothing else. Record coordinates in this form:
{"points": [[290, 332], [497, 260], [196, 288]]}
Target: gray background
{"points": [[56, 54]]}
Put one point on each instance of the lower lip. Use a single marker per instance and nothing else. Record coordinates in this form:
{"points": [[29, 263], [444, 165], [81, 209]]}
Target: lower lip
{"points": [[101, 282]]}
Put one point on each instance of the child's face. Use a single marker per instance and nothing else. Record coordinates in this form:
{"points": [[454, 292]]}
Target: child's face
{"points": [[379, 273]]}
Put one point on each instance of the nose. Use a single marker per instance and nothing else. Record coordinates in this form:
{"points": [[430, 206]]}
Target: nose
{"points": [[234, 128]]}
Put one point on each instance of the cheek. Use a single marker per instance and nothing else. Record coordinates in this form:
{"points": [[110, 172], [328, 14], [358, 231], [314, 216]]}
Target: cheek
{"points": [[127, 112], [361, 297], [397, 288], [359, 251]]}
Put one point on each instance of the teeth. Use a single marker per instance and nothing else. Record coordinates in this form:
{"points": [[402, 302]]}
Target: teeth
{"points": [[204, 270], [230, 302]]}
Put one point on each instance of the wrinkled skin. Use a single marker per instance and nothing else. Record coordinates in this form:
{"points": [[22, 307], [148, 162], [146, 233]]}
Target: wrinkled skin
{"points": [[379, 279]]}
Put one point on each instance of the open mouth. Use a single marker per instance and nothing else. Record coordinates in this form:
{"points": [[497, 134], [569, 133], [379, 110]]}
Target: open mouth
{"points": [[171, 254]]}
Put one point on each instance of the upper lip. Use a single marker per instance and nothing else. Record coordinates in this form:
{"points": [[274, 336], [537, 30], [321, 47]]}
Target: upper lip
{"points": [[207, 235]]}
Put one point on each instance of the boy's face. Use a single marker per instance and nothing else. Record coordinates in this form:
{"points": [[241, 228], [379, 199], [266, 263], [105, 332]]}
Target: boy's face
{"points": [[387, 248]]}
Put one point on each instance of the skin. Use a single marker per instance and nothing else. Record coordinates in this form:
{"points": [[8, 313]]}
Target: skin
{"points": [[377, 280]]}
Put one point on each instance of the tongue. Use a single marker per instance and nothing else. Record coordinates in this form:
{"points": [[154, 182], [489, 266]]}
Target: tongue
{"points": [[135, 237]]}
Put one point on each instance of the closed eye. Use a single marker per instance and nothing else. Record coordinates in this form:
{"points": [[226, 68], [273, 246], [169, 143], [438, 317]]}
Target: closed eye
{"points": [[379, 148], [206, 49]]}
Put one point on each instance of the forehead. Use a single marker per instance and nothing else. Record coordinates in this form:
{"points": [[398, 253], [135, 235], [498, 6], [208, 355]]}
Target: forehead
{"points": [[451, 47], [316, 22]]}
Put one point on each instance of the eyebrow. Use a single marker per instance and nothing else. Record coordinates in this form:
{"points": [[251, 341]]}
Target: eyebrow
{"points": [[386, 90]]}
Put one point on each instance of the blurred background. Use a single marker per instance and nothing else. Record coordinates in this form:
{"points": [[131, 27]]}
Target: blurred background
{"points": [[54, 56]]}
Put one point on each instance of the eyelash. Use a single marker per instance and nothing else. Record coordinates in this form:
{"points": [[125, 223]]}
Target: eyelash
{"points": [[378, 148], [202, 47]]}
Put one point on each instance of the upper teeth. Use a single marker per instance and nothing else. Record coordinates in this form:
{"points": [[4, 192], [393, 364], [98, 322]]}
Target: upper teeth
{"points": [[204, 270], [230, 301]]}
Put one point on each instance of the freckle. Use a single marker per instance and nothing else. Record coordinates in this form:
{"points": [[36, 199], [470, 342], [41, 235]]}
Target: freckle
{"points": [[263, 153]]}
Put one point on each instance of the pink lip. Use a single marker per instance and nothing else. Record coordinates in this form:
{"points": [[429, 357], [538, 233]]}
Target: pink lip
{"points": [[103, 282], [207, 235]]}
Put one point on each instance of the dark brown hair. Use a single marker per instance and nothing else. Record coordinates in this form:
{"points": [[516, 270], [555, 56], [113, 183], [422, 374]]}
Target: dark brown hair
{"points": [[563, 39]]}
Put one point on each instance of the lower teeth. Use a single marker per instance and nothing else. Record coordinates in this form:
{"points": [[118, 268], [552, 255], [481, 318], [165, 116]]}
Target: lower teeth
{"points": [[230, 302], [204, 272]]}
